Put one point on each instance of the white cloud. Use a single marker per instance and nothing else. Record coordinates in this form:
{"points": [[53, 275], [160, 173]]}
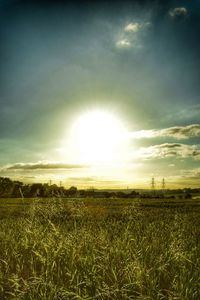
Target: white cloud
{"points": [[135, 27], [124, 43], [178, 12], [131, 35], [132, 27]]}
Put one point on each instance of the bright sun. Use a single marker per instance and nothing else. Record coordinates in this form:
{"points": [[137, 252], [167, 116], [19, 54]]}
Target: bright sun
{"points": [[98, 137]]}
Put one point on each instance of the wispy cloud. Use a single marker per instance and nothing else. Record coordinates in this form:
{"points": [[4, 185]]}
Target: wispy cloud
{"points": [[41, 165], [93, 180], [178, 12], [177, 132], [188, 113], [170, 150], [192, 173], [131, 35]]}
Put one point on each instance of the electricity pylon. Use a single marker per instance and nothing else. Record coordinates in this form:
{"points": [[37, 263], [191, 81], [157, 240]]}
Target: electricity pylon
{"points": [[153, 183], [163, 184]]}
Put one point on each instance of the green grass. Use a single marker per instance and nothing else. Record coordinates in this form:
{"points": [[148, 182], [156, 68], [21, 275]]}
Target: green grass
{"points": [[99, 249]]}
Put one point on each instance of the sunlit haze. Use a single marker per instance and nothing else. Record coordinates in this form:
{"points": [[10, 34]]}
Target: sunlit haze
{"points": [[98, 137]]}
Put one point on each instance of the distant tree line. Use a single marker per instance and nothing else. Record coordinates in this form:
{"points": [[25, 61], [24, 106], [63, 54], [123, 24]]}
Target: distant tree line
{"points": [[17, 189]]}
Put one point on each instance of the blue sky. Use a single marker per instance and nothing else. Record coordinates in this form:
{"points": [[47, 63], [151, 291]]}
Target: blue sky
{"points": [[138, 60]]}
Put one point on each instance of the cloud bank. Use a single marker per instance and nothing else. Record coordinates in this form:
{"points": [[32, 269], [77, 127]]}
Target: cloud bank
{"points": [[167, 150], [177, 132], [41, 165]]}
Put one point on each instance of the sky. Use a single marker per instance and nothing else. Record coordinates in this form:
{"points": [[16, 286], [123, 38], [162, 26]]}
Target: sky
{"points": [[100, 93]]}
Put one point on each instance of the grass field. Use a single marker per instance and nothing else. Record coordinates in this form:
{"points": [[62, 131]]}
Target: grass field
{"points": [[99, 249]]}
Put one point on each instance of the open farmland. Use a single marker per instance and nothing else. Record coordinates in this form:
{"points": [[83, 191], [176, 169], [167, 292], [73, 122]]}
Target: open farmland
{"points": [[99, 249]]}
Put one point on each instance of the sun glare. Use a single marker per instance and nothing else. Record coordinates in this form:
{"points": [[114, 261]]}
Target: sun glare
{"points": [[98, 137]]}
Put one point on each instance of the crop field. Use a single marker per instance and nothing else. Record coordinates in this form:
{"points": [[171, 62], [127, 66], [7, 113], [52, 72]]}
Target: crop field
{"points": [[100, 249]]}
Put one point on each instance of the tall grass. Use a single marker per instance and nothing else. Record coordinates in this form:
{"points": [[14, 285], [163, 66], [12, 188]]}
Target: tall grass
{"points": [[58, 251]]}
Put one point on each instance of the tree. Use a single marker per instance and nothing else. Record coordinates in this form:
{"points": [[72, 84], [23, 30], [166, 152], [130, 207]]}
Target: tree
{"points": [[72, 191]]}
